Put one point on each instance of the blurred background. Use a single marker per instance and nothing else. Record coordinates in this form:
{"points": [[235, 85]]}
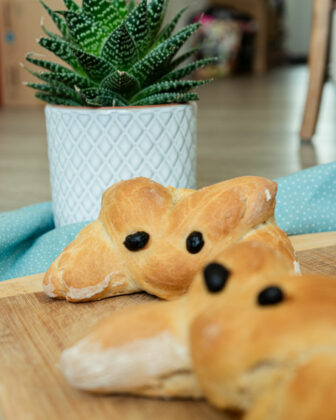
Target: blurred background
{"points": [[249, 118]]}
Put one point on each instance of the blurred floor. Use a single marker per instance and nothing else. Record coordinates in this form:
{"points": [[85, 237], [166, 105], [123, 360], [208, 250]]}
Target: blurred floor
{"points": [[247, 126]]}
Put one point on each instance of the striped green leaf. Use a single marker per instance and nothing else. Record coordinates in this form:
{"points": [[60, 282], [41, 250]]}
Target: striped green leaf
{"points": [[48, 65], [115, 51], [137, 26], [61, 49], [42, 75], [87, 34], [70, 79], [102, 97], [56, 100], [56, 89], [187, 70], [120, 82], [166, 98], [121, 7], [181, 59], [51, 34], [150, 68], [177, 41], [156, 12], [59, 22], [169, 28], [103, 12], [106, 100], [169, 86], [120, 48], [96, 68], [72, 5]]}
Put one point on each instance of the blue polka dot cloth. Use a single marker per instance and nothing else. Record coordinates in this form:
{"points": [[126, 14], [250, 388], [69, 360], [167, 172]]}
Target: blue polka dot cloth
{"points": [[29, 242]]}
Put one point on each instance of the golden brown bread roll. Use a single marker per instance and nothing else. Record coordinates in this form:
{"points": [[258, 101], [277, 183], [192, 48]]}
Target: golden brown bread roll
{"points": [[154, 239], [248, 336], [145, 349]]}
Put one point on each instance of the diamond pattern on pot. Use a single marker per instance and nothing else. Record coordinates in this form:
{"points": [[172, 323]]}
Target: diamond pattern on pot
{"points": [[91, 149]]}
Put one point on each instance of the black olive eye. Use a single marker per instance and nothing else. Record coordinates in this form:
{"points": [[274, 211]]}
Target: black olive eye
{"points": [[216, 276], [270, 296], [195, 242], [136, 241]]}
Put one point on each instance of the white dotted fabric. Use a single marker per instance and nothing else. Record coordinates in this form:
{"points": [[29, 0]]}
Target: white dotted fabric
{"points": [[306, 201]]}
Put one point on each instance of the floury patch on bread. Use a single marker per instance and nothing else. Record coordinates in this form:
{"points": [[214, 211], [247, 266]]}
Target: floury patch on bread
{"points": [[249, 336], [154, 239]]}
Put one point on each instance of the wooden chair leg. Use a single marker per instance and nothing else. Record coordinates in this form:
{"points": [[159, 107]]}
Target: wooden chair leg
{"points": [[317, 66]]}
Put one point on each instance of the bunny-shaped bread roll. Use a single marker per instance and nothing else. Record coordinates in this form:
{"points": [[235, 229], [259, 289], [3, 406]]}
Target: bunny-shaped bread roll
{"points": [[154, 239], [270, 351], [145, 349], [248, 336]]}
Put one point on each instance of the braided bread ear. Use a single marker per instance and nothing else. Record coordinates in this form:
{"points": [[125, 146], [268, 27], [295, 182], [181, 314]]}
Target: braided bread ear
{"points": [[142, 350], [89, 269]]}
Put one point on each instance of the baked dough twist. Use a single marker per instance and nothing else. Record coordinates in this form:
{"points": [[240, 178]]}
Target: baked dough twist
{"points": [[154, 239], [248, 336]]}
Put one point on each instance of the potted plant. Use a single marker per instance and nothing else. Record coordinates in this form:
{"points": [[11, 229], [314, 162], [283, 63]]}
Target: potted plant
{"points": [[120, 107]]}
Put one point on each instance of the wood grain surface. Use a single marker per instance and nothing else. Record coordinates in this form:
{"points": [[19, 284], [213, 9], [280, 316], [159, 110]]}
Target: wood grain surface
{"points": [[35, 329]]}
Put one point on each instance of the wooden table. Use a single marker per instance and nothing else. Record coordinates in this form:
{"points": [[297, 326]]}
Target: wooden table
{"points": [[35, 329]]}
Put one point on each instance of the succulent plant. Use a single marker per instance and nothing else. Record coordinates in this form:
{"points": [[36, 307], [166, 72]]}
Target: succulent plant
{"points": [[116, 54]]}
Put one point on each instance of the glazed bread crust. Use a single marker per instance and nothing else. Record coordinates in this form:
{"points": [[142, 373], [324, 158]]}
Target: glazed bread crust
{"points": [[272, 361], [144, 350], [98, 265], [277, 356]]}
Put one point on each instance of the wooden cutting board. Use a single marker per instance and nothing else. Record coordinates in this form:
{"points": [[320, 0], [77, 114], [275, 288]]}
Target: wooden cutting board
{"points": [[35, 329]]}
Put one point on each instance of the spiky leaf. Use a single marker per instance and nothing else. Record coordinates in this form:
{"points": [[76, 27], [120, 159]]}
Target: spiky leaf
{"points": [[170, 86], [181, 59], [72, 5], [56, 89], [42, 75], [59, 22], [61, 49], [137, 25], [150, 66], [71, 79], [121, 82], [166, 98], [121, 6], [49, 33], [103, 12], [106, 100], [116, 53], [120, 49], [95, 67], [87, 34], [156, 11], [56, 100], [187, 70], [48, 65], [177, 41], [169, 28], [102, 97]]}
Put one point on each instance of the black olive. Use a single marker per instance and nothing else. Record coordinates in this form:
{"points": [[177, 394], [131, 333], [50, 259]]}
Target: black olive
{"points": [[136, 241], [272, 295], [195, 242], [216, 276]]}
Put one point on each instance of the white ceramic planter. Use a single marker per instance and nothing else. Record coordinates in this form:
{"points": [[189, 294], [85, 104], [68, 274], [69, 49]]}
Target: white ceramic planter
{"points": [[91, 149]]}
